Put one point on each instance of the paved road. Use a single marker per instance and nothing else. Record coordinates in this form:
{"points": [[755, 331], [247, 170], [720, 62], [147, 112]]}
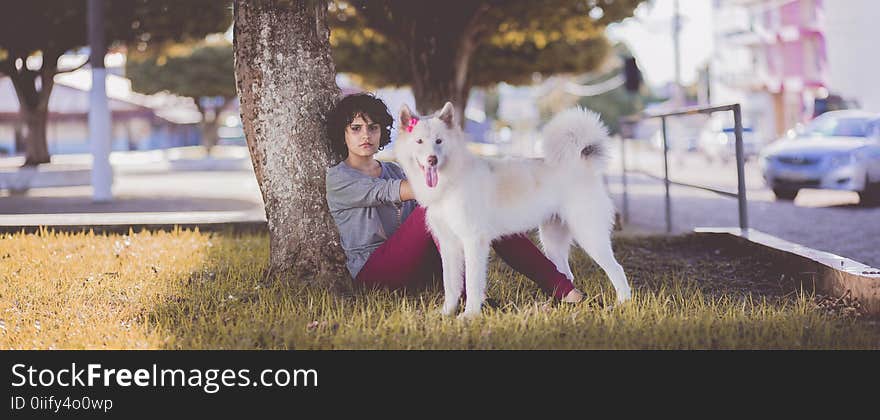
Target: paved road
{"points": [[826, 220]]}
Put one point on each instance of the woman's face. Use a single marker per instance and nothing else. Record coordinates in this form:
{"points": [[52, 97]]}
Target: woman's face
{"points": [[362, 136]]}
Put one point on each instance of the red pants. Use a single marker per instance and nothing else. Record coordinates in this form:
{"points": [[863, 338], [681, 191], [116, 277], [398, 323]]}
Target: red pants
{"points": [[409, 258]]}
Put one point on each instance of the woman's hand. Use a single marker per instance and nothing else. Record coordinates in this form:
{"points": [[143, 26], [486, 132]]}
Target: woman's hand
{"points": [[406, 192]]}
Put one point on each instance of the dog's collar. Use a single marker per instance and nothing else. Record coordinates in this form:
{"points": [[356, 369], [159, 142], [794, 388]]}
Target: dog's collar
{"points": [[412, 124]]}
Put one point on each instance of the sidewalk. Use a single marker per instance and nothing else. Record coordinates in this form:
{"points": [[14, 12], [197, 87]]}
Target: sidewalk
{"points": [[178, 186], [823, 220]]}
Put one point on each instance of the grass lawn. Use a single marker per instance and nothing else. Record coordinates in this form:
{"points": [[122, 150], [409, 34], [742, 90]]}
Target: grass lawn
{"points": [[192, 290]]}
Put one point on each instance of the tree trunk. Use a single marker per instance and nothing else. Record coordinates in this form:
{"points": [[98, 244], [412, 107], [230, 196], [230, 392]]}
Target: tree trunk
{"points": [[36, 145], [209, 134], [34, 104], [209, 125], [20, 142], [439, 72], [286, 83], [440, 48]]}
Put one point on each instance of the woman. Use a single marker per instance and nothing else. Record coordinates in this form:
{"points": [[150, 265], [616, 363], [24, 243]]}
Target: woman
{"points": [[383, 231]]}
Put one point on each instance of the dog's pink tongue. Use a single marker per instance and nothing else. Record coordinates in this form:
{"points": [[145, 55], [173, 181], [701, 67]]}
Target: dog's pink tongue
{"points": [[431, 176]]}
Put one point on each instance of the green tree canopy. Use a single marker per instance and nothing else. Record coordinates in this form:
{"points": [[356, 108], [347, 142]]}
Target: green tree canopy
{"points": [[49, 28], [193, 70], [442, 49]]}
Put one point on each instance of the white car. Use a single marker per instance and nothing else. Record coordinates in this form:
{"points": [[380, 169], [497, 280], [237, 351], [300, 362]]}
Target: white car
{"points": [[839, 150]]}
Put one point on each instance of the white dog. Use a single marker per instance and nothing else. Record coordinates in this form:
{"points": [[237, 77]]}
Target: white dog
{"points": [[471, 201]]}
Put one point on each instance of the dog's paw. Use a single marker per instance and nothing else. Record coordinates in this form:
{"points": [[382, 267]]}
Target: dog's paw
{"points": [[448, 310], [464, 316], [470, 313]]}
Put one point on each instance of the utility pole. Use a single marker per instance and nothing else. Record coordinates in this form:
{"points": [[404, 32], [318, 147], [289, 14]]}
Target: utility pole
{"points": [[676, 31], [99, 109]]}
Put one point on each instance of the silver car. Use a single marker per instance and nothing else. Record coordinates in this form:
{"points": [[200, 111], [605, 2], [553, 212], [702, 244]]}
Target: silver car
{"points": [[839, 150]]}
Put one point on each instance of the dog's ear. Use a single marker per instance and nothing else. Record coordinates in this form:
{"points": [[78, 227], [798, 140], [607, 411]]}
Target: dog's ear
{"points": [[405, 116], [447, 114]]}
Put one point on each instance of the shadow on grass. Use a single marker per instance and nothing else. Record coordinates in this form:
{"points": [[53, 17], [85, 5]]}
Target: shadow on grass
{"points": [[690, 292]]}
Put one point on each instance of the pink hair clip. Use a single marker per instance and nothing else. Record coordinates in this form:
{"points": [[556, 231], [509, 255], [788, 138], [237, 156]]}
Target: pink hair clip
{"points": [[412, 124]]}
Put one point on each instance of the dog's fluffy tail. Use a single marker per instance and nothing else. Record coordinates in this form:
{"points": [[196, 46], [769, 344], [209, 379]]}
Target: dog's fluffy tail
{"points": [[576, 134]]}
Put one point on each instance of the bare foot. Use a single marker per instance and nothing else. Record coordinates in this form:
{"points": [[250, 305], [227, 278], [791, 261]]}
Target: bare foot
{"points": [[574, 296]]}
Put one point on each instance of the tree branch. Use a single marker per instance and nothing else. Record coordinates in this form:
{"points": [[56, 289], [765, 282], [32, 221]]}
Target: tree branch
{"points": [[479, 16], [468, 42], [376, 15], [74, 68], [7, 67], [199, 106], [48, 69], [23, 80]]}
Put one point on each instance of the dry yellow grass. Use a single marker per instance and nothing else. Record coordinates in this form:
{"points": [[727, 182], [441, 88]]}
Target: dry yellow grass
{"points": [[191, 290], [88, 291]]}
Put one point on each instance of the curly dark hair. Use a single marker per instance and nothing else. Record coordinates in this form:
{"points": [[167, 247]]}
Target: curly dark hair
{"points": [[351, 107]]}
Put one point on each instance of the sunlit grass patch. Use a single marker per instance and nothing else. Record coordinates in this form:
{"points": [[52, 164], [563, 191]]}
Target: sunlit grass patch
{"points": [[62, 290], [191, 290]]}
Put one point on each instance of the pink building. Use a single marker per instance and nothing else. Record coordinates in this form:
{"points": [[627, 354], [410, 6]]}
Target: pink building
{"points": [[793, 48], [785, 44]]}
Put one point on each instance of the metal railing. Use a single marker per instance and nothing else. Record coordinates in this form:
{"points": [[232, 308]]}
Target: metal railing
{"points": [[740, 194]]}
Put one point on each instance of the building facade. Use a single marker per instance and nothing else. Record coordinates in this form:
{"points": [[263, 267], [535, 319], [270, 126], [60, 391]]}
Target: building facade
{"points": [[852, 29], [771, 56]]}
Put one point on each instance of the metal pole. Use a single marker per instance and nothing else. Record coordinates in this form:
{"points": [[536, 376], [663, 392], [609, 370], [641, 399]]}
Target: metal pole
{"points": [[676, 31], [99, 109], [740, 170], [666, 178], [623, 178]]}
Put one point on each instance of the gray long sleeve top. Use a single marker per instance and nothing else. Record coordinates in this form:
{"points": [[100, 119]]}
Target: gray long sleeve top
{"points": [[367, 210]]}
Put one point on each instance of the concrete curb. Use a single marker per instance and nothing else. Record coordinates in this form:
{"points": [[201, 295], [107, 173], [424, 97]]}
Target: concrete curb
{"points": [[832, 274], [26, 178]]}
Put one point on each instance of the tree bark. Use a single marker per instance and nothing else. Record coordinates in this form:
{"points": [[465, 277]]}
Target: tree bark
{"points": [[20, 142], [209, 134], [286, 83], [34, 105], [36, 145], [209, 124], [439, 70], [440, 46]]}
